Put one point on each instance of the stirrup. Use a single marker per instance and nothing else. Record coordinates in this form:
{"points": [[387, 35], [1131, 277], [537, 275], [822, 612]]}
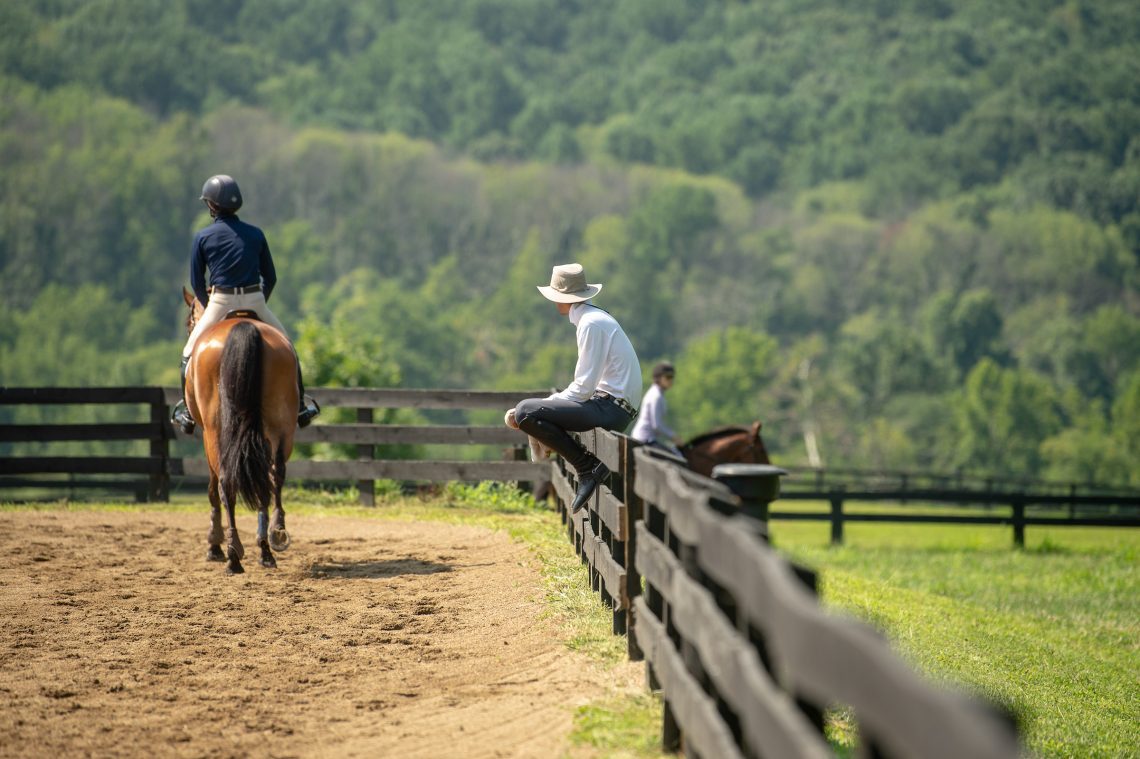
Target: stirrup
{"points": [[308, 412], [181, 416]]}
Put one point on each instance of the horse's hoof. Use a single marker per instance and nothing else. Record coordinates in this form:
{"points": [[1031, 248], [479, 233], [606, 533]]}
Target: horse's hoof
{"points": [[269, 562], [215, 554], [235, 568], [279, 540]]}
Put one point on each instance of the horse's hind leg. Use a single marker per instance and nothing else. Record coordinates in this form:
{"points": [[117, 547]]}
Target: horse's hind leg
{"points": [[267, 559], [214, 537], [234, 551], [278, 537]]}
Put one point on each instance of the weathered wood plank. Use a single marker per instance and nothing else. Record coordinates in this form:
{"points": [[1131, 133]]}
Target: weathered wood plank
{"points": [[964, 497], [607, 447], [613, 575], [421, 398], [828, 659], [1112, 521], [84, 484], [43, 396], [81, 465], [665, 487], [651, 560], [561, 485], [434, 471], [771, 722], [398, 397], [41, 433], [612, 512], [696, 713], [399, 434]]}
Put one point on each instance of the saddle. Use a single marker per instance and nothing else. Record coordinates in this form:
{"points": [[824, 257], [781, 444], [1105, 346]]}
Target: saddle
{"points": [[242, 313]]}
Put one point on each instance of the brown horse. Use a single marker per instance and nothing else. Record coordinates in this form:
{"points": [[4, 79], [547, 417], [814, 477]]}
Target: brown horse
{"points": [[241, 388], [725, 445]]}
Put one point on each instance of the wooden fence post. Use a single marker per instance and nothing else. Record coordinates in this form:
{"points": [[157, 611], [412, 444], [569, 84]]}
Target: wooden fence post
{"points": [[837, 517], [1019, 522], [757, 485], [367, 488], [159, 489], [633, 511]]}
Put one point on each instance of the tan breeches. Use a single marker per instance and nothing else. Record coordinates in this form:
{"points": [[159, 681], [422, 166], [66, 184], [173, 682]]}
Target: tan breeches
{"points": [[220, 304]]}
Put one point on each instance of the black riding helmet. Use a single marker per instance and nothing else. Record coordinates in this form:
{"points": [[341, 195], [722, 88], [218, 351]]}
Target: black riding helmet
{"points": [[222, 191]]}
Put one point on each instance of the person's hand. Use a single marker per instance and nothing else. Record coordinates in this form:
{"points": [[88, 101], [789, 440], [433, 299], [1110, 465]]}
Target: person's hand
{"points": [[509, 419]]}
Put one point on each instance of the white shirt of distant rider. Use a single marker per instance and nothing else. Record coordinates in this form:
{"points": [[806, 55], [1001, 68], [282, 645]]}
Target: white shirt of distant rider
{"points": [[650, 426], [606, 360]]}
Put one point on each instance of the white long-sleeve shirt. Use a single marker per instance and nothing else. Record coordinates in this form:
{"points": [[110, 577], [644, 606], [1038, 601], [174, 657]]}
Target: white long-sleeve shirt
{"points": [[650, 425], [606, 359]]}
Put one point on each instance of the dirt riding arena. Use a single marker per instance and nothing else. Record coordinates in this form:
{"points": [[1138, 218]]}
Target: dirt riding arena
{"points": [[372, 638]]}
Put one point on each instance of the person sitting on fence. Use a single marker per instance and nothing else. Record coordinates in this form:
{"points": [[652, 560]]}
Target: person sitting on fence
{"points": [[242, 276], [606, 378], [650, 427]]}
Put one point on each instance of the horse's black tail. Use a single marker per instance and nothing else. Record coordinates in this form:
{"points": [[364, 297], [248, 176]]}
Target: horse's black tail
{"points": [[243, 450]]}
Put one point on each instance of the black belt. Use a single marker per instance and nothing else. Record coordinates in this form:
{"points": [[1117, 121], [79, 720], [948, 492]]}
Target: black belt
{"points": [[236, 290], [621, 403]]}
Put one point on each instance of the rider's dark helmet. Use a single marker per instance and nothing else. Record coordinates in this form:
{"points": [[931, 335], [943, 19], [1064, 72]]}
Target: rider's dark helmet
{"points": [[222, 191]]}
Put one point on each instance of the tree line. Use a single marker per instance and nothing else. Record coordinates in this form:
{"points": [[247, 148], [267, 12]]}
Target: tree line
{"points": [[906, 232]]}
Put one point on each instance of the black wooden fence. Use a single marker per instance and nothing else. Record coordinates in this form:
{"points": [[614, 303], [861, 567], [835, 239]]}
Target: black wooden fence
{"points": [[1016, 503], [746, 660], [150, 476]]}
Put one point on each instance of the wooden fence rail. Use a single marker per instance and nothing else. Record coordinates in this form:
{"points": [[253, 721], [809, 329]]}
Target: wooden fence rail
{"points": [[746, 660], [1019, 509], [150, 476]]}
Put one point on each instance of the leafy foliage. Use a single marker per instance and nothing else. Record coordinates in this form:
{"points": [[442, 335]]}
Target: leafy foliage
{"points": [[907, 231]]}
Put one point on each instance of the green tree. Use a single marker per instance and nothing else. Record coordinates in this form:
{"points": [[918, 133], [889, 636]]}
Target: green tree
{"points": [[966, 329], [721, 380], [1003, 417]]}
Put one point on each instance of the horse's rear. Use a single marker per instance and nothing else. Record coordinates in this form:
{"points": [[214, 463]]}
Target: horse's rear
{"points": [[241, 385]]}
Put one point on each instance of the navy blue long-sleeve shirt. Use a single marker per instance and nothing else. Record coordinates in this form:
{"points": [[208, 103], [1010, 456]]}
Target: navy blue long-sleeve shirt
{"points": [[237, 255]]}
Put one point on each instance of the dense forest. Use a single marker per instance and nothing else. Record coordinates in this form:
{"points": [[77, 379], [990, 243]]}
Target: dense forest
{"points": [[902, 233]]}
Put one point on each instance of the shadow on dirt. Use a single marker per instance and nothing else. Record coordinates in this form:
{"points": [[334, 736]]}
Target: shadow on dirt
{"points": [[372, 569]]}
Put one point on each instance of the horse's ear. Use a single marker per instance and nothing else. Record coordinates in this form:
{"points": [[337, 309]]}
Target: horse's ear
{"points": [[756, 429], [187, 296]]}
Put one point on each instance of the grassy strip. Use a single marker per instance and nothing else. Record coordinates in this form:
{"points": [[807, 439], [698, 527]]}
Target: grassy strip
{"points": [[1051, 632], [622, 725]]}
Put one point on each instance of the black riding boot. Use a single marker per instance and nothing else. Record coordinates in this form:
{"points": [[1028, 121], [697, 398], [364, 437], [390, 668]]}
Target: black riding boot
{"points": [[591, 472], [181, 414], [308, 411]]}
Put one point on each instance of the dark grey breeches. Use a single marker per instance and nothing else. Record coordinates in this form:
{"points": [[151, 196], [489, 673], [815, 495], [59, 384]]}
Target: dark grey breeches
{"points": [[549, 420]]}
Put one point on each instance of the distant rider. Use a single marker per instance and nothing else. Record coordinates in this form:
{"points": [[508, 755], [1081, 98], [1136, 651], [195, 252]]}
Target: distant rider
{"points": [[650, 426], [242, 276]]}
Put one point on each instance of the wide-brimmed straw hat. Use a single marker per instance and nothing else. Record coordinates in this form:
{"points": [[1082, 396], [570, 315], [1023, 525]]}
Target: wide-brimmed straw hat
{"points": [[568, 285]]}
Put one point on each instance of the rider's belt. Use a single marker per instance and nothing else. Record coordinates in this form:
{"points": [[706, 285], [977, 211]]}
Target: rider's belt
{"points": [[621, 403], [236, 290]]}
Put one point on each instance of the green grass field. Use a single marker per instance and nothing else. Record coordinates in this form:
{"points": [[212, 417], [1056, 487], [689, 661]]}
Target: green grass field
{"points": [[1051, 631]]}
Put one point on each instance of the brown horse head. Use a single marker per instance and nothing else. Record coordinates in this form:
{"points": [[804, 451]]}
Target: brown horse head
{"points": [[725, 445]]}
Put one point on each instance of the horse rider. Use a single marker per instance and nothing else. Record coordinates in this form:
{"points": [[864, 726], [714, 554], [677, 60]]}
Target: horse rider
{"points": [[242, 276], [650, 427], [607, 376]]}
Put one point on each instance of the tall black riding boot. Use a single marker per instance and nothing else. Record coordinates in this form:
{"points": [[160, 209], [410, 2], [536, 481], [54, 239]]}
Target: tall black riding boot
{"points": [[591, 472], [181, 414], [308, 411]]}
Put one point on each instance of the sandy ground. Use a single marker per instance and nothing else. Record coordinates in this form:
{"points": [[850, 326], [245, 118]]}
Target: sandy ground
{"points": [[372, 638]]}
